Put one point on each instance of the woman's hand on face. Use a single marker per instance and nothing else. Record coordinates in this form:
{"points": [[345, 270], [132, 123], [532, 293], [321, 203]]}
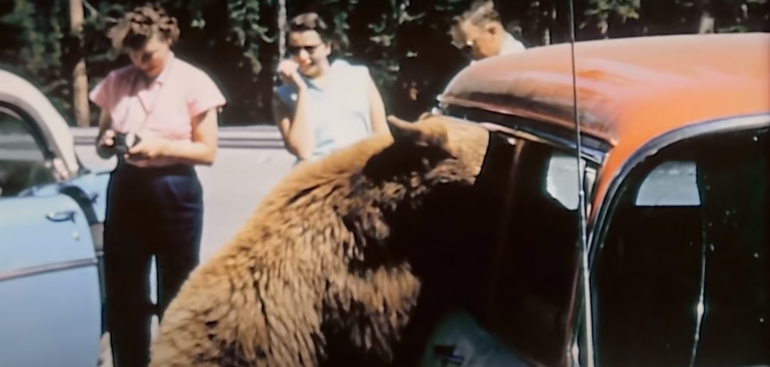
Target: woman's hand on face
{"points": [[288, 70]]}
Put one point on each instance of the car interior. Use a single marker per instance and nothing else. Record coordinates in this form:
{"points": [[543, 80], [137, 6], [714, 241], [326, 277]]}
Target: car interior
{"points": [[682, 280], [523, 311], [635, 281], [535, 270]]}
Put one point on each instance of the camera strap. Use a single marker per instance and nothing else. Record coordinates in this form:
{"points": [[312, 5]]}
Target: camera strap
{"points": [[133, 96]]}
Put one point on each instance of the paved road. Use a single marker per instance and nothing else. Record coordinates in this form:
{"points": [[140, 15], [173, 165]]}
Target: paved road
{"points": [[232, 187], [239, 179]]}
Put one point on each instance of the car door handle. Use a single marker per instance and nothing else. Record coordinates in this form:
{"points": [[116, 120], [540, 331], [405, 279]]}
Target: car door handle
{"points": [[62, 216]]}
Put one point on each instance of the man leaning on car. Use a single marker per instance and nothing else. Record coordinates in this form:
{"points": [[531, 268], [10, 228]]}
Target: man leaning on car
{"points": [[479, 32]]}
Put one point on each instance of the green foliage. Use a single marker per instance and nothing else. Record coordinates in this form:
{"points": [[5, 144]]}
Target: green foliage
{"points": [[623, 8], [32, 41], [405, 43]]}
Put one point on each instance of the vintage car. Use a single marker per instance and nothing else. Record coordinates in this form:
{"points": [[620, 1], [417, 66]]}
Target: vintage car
{"points": [[658, 254], [52, 211]]}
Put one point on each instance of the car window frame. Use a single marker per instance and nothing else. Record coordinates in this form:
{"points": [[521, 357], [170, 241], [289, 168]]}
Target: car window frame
{"points": [[593, 151], [49, 155], [610, 201], [47, 118], [593, 155]]}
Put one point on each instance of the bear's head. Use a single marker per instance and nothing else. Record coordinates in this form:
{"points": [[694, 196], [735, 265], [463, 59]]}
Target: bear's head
{"points": [[410, 195], [420, 205], [432, 153], [441, 186]]}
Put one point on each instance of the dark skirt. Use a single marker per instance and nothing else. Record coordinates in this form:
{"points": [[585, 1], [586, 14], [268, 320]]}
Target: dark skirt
{"points": [[150, 212]]}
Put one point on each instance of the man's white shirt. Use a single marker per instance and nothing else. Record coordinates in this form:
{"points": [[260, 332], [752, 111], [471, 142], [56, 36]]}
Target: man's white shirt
{"points": [[510, 46]]}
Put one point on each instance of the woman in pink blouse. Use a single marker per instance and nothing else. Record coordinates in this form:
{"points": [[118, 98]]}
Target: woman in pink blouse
{"points": [[154, 203]]}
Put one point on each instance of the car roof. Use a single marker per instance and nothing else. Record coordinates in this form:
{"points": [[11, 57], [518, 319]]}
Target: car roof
{"points": [[629, 90]]}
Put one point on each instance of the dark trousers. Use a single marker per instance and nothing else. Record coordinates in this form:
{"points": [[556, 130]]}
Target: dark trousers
{"points": [[150, 212]]}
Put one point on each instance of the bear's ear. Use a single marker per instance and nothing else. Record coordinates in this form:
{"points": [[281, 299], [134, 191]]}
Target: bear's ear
{"points": [[419, 134]]}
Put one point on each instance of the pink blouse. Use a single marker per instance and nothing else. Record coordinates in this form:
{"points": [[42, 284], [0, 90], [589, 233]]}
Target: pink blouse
{"points": [[165, 107]]}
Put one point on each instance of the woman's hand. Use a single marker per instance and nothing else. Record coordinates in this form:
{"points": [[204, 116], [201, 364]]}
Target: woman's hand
{"points": [[288, 70], [153, 151], [105, 145], [148, 150]]}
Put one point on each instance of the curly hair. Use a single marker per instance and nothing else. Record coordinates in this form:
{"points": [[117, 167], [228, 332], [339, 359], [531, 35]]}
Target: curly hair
{"points": [[140, 25]]}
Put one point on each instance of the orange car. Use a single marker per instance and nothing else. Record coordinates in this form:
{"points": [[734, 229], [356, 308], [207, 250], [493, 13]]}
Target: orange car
{"points": [[669, 263]]}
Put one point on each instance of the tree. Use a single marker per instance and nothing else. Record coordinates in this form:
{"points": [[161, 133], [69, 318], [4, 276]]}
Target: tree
{"points": [[405, 43], [79, 74]]}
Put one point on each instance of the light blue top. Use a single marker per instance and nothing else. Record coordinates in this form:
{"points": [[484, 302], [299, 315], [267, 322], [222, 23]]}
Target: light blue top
{"points": [[338, 111]]}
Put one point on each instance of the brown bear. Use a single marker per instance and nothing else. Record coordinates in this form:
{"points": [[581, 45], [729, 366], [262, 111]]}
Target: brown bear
{"points": [[329, 269]]}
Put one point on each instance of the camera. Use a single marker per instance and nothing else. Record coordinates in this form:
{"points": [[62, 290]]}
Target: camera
{"points": [[125, 141]]}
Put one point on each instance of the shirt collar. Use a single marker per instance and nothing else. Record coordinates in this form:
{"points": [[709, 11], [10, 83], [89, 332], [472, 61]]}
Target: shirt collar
{"points": [[164, 74], [335, 68], [161, 78], [511, 45]]}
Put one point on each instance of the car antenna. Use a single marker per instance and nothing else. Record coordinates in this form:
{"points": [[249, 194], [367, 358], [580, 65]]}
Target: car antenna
{"points": [[587, 322]]}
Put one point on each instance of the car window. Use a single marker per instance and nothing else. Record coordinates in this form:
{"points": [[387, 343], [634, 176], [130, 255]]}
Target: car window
{"points": [[735, 330], [517, 281], [562, 178], [533, 272], [22, 162], [683, 266], [672, 183]]}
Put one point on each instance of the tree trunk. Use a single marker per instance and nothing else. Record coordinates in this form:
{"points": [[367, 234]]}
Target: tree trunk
{"points": [[281, 20], [706, 20], [79, 76], [281, 27], [549, 22], [604, 27]]}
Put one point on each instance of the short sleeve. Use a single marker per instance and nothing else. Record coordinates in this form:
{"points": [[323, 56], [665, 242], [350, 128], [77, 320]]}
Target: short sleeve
{"points": [[203, 94], [362, 76], [287, 96], [103, 93]]}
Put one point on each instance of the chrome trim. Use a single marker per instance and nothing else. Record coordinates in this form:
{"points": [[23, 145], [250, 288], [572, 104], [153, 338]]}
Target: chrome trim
{"points": [[598, 229], [593, 149], [592, 155], [10, 112], [48, 268]]}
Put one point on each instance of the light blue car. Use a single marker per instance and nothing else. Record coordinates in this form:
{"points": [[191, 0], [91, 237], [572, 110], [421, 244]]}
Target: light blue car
{"points": [[51, 221]]}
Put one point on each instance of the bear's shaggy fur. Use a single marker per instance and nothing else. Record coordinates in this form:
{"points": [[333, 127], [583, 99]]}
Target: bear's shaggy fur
{"points": [[325, 272]]}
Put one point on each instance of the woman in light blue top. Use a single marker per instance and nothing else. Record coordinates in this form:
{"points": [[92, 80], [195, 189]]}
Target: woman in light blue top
{"points": [[323, 106]]}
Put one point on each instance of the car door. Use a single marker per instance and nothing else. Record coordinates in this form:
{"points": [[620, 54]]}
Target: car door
{"points": [[680, 270], [50, 309]]}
